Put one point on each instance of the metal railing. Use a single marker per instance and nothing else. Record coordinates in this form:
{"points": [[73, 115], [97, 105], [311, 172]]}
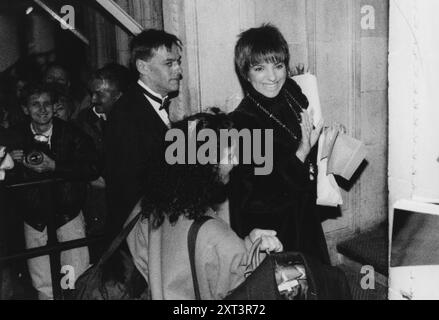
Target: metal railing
{"points": [[53, 248]]}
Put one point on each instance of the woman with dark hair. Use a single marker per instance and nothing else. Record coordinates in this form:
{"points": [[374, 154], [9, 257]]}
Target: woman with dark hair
{"points": [[183, 193], [284, 200]]}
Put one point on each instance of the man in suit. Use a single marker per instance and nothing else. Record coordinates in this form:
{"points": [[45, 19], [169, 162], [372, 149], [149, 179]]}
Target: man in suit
{"points": [[105, 90], [135, 135], [105, 87]]}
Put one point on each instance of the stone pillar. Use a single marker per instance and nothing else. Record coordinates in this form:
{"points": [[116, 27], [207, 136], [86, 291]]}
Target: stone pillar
{"points": [[413, 99]]}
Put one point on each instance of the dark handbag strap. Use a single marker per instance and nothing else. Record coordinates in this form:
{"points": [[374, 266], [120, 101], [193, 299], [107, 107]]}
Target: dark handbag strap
{"points": [[118, 240], [191, 241], [93, 271]]}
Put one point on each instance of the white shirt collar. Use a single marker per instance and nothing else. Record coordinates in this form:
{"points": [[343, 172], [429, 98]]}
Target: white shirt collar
{"points": [[143, 85], [100, 115], [161, 113], [47, 133]]}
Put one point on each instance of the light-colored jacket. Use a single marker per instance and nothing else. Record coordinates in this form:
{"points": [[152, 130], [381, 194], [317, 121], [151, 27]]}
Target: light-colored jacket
{"points": [[162, 257]]}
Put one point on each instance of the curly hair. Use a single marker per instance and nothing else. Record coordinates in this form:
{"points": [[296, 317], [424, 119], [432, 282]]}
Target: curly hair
{"points": [[187, 189]]}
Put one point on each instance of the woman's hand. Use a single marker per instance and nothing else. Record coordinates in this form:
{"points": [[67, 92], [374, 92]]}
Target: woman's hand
{"points": [[269, 240], [331, 134], [310, 135]]}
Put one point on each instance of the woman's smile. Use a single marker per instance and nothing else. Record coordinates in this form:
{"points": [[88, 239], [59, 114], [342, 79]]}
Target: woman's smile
{"points": [[272, 86], [268, 78]]}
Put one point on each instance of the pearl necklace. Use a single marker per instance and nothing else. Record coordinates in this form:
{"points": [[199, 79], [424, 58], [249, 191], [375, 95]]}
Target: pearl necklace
{"points": [[312, 170], [276, 119]]}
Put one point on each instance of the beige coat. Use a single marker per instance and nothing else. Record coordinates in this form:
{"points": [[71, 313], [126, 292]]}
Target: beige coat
{"points": [[162, 257]]}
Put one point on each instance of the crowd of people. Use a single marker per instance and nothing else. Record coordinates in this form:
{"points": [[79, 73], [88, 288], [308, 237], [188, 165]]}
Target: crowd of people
{"points": [[53, 136], [106, 153]]}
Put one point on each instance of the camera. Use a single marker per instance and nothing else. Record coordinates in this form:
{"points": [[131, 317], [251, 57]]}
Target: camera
{"points": [[35, 154], [34, 157]]}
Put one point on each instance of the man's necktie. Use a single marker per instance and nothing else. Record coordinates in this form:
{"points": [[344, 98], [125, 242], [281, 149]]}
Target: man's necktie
{"points": [[164, 104]]}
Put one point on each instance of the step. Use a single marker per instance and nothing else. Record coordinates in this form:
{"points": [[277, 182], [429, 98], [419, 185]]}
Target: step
{"points": [[354, 277], [368, 248]]}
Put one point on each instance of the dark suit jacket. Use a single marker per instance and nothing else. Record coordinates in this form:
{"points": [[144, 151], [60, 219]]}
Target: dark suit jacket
{"points": [[6, 138], [90, 123], [134, 152]]}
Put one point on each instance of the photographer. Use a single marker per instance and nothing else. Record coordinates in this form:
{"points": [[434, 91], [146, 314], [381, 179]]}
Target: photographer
{"points": [[50, 148]]}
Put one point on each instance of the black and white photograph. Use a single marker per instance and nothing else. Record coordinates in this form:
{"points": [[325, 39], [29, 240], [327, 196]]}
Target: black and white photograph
{"points": [[219, 150]]}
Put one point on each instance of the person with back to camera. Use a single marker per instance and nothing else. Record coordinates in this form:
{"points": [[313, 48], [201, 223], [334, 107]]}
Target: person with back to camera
{"points": [[285, 199], [158, 242]]}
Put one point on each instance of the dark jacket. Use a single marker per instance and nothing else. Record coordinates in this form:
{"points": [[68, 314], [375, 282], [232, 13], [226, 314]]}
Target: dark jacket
{"points": [[285, 199], [76, 163], [6, 138], [94, 127], [135, 154]]}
